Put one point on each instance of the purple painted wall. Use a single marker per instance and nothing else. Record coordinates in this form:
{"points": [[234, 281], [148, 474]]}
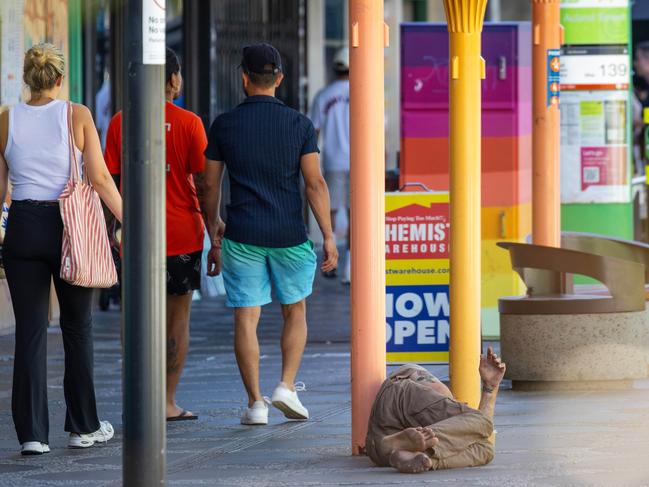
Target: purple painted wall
{"points": [[424, 79]]}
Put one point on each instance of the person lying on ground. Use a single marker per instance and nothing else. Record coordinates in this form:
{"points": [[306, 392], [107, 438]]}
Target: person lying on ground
{"points": [[416, 425]]}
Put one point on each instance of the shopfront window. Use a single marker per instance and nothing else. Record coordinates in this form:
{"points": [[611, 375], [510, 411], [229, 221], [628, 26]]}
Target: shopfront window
{"points": [[335, 31]]}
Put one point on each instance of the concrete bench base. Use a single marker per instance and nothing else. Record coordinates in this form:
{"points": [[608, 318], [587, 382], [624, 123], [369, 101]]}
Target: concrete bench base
{"points": [[575, 351], [557, 385]]}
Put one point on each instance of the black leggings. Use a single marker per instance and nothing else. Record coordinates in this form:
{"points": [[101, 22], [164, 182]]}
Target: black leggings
{"points": [[32, 257]]}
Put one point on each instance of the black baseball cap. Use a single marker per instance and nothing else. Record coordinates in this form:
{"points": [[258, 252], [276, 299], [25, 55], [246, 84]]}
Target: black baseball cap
{"points": [[257, 56]]}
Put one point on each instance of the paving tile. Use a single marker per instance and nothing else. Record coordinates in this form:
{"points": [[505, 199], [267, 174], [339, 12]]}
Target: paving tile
{"points": [[544, 439]]}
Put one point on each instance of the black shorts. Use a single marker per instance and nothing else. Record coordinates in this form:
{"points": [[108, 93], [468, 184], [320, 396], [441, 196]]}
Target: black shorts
{"points": [[184, 273]]}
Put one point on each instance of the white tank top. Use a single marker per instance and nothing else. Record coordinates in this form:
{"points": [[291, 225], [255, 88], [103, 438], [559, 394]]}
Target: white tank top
{"points": [[37, 152]]}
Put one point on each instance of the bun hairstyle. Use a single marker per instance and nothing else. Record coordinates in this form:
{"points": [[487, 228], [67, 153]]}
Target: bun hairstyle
{"points": [[44, 65]]}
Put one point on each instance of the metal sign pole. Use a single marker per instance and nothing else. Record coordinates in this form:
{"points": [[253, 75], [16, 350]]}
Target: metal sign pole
{"points": [[144, 244]]}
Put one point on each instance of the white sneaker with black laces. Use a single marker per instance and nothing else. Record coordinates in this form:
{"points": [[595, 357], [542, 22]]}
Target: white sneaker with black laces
{"points": [[86, 440], [287, 401], [34, 448], [257, 414]]}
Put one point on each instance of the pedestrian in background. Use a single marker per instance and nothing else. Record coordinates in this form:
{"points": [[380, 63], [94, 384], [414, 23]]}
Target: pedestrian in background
{"points": [[640, 102], [185, 144], [266, 146], [330, 116], [37, 140]]}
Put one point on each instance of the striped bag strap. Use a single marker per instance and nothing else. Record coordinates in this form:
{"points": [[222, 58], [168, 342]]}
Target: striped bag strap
{"points": [[74, 164]]}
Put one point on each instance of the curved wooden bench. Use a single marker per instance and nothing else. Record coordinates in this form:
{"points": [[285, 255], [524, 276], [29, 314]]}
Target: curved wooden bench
{"points": [[545, 272], [609, 247], [556, 338]]}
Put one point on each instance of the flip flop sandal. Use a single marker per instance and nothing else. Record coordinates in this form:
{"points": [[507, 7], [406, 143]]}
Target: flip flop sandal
{"points": [[183, 416]]}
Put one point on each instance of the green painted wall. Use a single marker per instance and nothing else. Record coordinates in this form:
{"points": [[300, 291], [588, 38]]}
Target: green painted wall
{"points": [[615, 219], [75, 51], [420, 8]]}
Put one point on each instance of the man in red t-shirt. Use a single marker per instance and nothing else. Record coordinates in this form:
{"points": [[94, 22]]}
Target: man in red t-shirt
{"points": [[186, 142]]}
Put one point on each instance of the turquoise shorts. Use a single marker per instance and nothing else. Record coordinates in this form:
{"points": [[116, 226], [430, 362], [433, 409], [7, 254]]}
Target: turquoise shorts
{"points": [[249, 272]]}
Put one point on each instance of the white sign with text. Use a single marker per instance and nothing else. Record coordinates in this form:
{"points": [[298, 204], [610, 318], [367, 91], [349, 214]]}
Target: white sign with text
{"points": [[605, 67], [153, 31]]}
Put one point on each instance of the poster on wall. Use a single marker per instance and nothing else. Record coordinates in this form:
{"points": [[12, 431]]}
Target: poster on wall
{"points": [[417, 227], [594, 147], [47, 22], [11, 51], [595, 102]]}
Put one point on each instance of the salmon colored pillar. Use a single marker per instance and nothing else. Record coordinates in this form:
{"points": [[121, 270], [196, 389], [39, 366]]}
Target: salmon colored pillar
{"points": [[546, 186], [367, 34], [466, 69]]}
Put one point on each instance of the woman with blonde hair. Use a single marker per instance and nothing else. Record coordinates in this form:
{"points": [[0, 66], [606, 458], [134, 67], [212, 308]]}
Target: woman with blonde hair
{"points": [[36, 150]]}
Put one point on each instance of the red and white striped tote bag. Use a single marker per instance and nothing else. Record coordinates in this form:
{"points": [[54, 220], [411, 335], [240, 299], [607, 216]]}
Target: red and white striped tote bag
{"points": [[86, 259]]}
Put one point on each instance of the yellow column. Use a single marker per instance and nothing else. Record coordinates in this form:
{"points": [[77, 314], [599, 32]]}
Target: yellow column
{"points": [[367, 40], [546, 186], [465, 19]]}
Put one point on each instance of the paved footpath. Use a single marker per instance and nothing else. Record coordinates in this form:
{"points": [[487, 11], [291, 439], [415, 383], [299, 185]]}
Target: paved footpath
{"points": [[568, 439]]}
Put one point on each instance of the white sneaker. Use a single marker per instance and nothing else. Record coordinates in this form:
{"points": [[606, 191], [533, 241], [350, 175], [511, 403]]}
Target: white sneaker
{"points": [[257, 414], [86, 440], [34, 448], [287, 402]]}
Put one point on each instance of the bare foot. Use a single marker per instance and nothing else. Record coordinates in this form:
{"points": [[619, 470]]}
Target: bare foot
{"points": [[411, 439], [430, 440], [410, 462], [492, 370]]}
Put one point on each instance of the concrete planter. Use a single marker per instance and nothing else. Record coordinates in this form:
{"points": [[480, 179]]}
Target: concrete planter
{"points": [[586, 351]]}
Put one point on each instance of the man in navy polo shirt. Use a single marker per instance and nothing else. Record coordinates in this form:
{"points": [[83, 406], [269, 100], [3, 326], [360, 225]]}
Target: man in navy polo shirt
{"points": [[266, 146]]}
